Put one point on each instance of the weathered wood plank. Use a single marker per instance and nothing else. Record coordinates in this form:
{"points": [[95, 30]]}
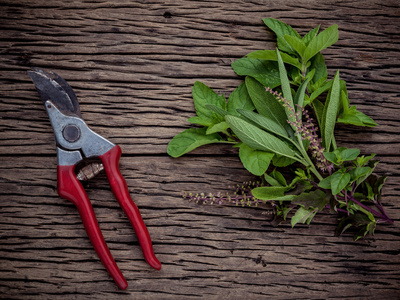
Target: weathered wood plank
{"points": [[205, 249], [132, 65]]}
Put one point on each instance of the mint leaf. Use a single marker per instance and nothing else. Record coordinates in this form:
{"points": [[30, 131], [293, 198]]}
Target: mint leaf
{"points": [[255, 161], [189, 140], [264, 71], [203, 95], [239, 99], [218, 110], [323, 40], [271, 55], [259, 139], [330, 113]]}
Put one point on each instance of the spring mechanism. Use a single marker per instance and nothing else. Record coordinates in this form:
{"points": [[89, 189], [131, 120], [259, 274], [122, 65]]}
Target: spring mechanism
{"points": [[89, 171]]}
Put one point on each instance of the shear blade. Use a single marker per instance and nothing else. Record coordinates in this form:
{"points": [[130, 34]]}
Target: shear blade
{"points": [[54, 88]]}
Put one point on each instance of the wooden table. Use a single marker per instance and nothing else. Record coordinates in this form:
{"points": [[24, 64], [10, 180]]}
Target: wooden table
{"points": [[132, 65]]}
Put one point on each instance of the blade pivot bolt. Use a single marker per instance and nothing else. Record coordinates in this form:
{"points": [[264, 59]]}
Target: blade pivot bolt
{"points": [[71, 133]]}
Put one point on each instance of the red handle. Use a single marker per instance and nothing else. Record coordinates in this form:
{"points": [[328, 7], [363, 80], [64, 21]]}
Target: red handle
{"points": [[119, 187], [71, 189]]}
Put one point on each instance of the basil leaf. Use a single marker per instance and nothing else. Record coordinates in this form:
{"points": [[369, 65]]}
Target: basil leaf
{"points": [[259, 139], [302, 215], [296, 43], [285, 85], [314, 199], [339, 181], [323, 40], [189, 140], [330, 113], [264, 71], [281, 29], [270, 192], [299, 97], [282, 161], [266, 103], [265, 123], [203, 95], [318, 64], [310, 35], [239, 99], [219, 127], [218, 110], [255, 161], [349, 154], [354, 117], [271, 55]]}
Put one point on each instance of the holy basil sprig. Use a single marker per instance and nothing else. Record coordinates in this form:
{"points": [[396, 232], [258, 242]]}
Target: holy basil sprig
{"points": [[269, 117]]}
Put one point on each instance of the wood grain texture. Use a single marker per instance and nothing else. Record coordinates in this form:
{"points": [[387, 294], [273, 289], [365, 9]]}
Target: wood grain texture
{"points": [[132, 65]]}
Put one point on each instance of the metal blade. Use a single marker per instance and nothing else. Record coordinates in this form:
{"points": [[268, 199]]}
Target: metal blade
{"points": [[52, 87]]}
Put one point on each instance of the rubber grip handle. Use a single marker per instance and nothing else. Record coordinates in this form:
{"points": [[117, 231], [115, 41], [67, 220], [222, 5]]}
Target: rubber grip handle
{"points": [[119, 187], [71, 189]]}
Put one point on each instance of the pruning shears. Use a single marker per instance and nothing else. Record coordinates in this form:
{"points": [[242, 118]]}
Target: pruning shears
{"points": [[76, 142]]}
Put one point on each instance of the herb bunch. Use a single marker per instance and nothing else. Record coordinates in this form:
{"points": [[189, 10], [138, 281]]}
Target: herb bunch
{"points": [[277, 118]]}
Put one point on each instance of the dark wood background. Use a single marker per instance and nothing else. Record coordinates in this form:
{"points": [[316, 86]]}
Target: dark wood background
{"points": [[132, 65]]}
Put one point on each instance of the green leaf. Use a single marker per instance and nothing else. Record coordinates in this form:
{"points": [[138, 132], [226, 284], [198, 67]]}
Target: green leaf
{"points": [[272, 181], [323, 40], [299, 97], [189, 140], [327, 85], [302, 215], [318, 64], [359, 172], [314, 199], [330, 113], [296, 44], [219, 127], [269, 192], [265, 123], [325, 183], [310, 35], [278, 176], [218, 110], [282, 161], [318, 110], [354, 117], [255, 161], [239, 99], [259, 139], [349, 154], [271, 55], [203, 95], [266, 103], [332, 157], [339, 181], [287, 92], [281, 29], [264, 71]]}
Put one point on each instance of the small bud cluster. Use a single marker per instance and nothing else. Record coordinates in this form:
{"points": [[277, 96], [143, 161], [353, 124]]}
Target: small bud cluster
{"points": [[307, 130], [241, 196]]}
